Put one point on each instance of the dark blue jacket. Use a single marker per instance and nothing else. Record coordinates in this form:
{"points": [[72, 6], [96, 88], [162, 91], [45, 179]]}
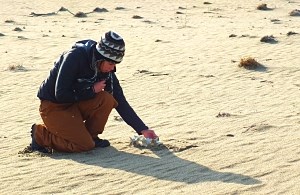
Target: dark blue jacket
{"points": [[73, 75]]}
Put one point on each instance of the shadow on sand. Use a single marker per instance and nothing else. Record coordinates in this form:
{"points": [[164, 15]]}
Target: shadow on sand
{"points": [[166, 166]]}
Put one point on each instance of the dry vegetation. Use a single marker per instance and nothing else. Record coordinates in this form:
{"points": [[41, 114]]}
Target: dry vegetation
{"points": [[262, 6], [16, 68], [249, 63]]}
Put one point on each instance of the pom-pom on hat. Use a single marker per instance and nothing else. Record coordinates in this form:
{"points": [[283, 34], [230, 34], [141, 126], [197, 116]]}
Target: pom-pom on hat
{"points": [[111, 47]]}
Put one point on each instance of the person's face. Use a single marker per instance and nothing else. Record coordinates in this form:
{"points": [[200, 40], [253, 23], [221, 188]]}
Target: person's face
{"points": [[106, 66]]}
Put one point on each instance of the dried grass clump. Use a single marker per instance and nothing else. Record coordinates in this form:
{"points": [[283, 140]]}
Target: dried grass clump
{"points": [[223, 114], [17, 29], [9, 21], [97, 9], [137, 17], [119, 8], [249, 63], [291, 33], [295, 12], [268, 39], [63, 9], [80, 15], [16, 68], [262, 6]]}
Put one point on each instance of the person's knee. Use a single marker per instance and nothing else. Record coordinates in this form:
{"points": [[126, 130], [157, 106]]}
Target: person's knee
{"points": [[87, 146], [107, 99]]}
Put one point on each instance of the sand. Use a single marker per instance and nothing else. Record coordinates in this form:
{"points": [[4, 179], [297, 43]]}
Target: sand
{"points": [[225, 129]]}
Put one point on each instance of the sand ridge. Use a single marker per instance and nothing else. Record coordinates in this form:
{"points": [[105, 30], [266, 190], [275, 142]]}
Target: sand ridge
{"points": [[226, 129]]}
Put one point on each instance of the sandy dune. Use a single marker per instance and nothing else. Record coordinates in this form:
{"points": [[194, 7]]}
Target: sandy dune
{"points": [[225, 129]]}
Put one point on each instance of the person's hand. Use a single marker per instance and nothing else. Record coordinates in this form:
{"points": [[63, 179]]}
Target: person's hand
{"points": [[149, 134], [99, 86]]}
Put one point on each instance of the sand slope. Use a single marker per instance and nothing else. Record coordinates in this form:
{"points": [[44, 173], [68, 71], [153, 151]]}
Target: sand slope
{"points": [[227, 130]]}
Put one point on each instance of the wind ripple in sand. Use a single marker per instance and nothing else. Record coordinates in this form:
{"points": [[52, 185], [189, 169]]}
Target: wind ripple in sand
{"points": [[157, 166], [182, 104], [258, 127]]}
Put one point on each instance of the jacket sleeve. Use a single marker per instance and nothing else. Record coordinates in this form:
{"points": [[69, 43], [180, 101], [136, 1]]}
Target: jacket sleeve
{"points": [[125, 110], [66, 79]]}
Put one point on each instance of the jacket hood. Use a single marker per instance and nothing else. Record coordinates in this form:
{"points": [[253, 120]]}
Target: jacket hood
{"points": [[89, 47]]}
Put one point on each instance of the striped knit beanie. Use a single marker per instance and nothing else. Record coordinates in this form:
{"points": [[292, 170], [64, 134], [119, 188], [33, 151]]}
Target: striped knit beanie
{"points": [[111, 47]]}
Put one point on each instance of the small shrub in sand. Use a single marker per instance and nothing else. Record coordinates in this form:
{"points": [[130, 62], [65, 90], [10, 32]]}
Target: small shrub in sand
{"points": [[80, 15], [16, 68], [249, 63], [9, 21], [262, 6], [268, 39], [17, 29], [291, 33], [97, 9], [137, 17], [62, 9], [119, 8], [295, 12]]}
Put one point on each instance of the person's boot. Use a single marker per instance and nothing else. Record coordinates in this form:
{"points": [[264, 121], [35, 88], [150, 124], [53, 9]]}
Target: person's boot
{"points": [[101, 143], [34, 145]]}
